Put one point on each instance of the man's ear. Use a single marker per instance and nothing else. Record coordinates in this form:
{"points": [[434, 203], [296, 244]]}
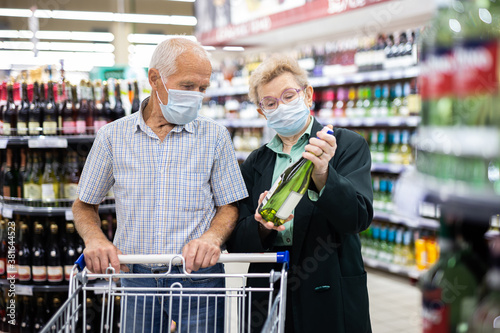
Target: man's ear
{"points": [[153, 76]]}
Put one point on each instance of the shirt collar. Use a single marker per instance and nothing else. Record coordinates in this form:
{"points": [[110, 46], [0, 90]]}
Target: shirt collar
{"points": [[141, 124], [276, 144]]}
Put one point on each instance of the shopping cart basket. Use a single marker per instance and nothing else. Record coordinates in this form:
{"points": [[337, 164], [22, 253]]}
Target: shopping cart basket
{"points": [[74, 314]]}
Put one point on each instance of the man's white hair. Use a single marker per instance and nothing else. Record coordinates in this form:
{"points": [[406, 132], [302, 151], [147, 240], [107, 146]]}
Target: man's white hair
{"points": [[166, 53]]}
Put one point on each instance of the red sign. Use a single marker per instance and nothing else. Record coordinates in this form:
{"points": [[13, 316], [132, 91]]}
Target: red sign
{"points": [[312, 10]]}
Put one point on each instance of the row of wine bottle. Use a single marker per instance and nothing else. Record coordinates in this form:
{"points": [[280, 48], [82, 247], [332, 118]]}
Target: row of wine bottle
{"points": [[60, 108]]}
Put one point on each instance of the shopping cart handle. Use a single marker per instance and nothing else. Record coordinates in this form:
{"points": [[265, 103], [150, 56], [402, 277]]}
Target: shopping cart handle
{"points": [[276, 257]]}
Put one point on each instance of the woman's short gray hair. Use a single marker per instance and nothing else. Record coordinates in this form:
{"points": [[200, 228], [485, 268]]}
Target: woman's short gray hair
{"points": [[270, 69], [166, 53]]}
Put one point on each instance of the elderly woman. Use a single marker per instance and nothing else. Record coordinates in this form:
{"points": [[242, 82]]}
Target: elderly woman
{"points": [[327, 282]]}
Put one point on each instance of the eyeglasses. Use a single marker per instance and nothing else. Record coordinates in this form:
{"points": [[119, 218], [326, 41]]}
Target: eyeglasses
{"points": [[289, 96]]}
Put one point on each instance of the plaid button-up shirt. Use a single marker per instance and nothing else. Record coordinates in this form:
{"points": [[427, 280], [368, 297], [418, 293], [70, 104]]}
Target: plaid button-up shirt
{"points": [[166, 192]]}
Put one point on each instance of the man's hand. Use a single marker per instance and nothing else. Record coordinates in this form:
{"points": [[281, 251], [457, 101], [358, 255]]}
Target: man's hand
{"points": [[265, 224], [99, 253], [201, 253]]}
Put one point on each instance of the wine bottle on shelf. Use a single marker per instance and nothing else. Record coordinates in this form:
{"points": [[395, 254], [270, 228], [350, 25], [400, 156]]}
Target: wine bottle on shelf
{"points": [[99, 118], [339, 108], [55, 273], [118, 111], [92, 108], [136, 102], [26, 320], [36, 112], [287, 190], [106, 105], [70, 254], [39, 262], [9, 178], [49, 182], [49, 124], [10, 114], [68, 112], [3, 103], [71, 176], [32, 184], [24, 255], [24, 110], [3, 250], [40, 314], [83, 110]]}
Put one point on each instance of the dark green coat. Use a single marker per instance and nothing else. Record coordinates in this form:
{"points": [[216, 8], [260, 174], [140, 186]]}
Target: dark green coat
{"points": [[326, 281]]}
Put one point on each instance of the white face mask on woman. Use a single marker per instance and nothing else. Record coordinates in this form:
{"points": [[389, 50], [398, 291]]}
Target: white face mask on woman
{"points": [[288, 120], [182, 107]]}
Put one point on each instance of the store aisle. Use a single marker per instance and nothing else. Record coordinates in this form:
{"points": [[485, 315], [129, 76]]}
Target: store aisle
{"points": [[395, 305]]}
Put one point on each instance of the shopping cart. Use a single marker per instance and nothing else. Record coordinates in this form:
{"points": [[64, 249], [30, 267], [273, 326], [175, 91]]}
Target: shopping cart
{"points": [[75, 315]]}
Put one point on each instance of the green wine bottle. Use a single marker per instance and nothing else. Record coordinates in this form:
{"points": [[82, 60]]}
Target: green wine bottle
{"points": [[287, 190]]}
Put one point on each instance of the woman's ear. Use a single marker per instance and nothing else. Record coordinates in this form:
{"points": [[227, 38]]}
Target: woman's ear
{"points": [[309, 91], [262, 113]]}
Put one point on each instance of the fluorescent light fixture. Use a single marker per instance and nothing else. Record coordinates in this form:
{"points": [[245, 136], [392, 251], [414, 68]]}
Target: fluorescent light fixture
{"points": [[15, 12], [58, 46], [102, 16], [233, 48], [209, 48], [154, 38], [61, 35]]}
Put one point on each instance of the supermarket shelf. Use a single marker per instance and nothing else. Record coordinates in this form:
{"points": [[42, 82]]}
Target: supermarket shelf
{"points": [[343, 79], [390, 168], [411, 272], [28, 289], [237, 122], [410, 121], [60, 141], [409, 221]]}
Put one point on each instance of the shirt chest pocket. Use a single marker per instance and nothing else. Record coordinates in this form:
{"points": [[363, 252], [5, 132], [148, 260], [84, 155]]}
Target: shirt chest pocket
{"points": [[193, 190]]}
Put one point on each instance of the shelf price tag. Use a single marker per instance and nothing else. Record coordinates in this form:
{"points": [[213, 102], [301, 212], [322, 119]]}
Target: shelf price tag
{"points": [[7, 212], [24, 290], [3, 143], [48, 142], [69, 215]]}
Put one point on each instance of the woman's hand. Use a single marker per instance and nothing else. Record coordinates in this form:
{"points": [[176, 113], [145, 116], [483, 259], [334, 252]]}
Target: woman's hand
{"points": [[320, 151], [265, 225]]}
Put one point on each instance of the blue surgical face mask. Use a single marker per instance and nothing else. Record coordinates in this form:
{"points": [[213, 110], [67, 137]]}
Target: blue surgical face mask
{"points": [[288, 120], [182, 107]]}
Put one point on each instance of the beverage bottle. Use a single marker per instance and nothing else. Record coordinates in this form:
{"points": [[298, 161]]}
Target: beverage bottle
{"points": [[3, 250], [40, 314], [350, 110], [99, 118], [405, 150], [407, 253], [35, 113], [447, 285], [383, 110], [9, 177], [398, 247], [118, 111], [404, 110], [55, 274], [26, 320], [382, 150], [106, 105], [10, 114], [32, 185], [50, 115], [82, 110], [71, 176], [136, 102], [359, 110], [22, 174], [49, 182], [367, 102], [287, 190], [395, 148], [39, 262], [70, 254], [3, 103], [340, 104], [92, 109], [326, 107], [375, 110], [24, 255], [23, 114], [68, 112], [374, 144]]}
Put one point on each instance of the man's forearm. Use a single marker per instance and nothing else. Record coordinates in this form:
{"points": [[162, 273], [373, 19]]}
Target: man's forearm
{"points": [[223, 223], [87, 221]]}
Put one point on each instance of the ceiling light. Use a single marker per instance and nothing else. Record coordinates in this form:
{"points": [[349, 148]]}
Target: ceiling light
{"points": [[58, 46], [61, 35], [154, 38], [15, 12], [233, 48]]}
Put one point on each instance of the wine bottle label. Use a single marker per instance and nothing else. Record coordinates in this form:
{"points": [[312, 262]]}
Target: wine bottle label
{"points": [[69, 127], [67, 272], [435, 312], [7, 129], [13, 271], [290, 203], [55, 273], [48, 192], [50, 127], [39, 273], [34, 127], [2, 266], [24, 273], [33, 191], [70, 191], [81, 127], [22, 128], [271, 191]]}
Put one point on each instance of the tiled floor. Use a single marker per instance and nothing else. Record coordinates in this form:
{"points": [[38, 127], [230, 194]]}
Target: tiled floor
{"points": [[395, 305]]}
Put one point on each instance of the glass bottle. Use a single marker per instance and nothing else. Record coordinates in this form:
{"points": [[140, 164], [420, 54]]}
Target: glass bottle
{"points": [[49, 182], [9, 177], [136, 102], [24, 110], [24, 255], [26, 320], [40, 314], [36, 112], [39, 263], [106, 105], [68, 112], [71, 176], [3, 250], [50, 115], [82, 110], [10, 114], [32, 185], [70, 254], [118, 111], [55, 273]]}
